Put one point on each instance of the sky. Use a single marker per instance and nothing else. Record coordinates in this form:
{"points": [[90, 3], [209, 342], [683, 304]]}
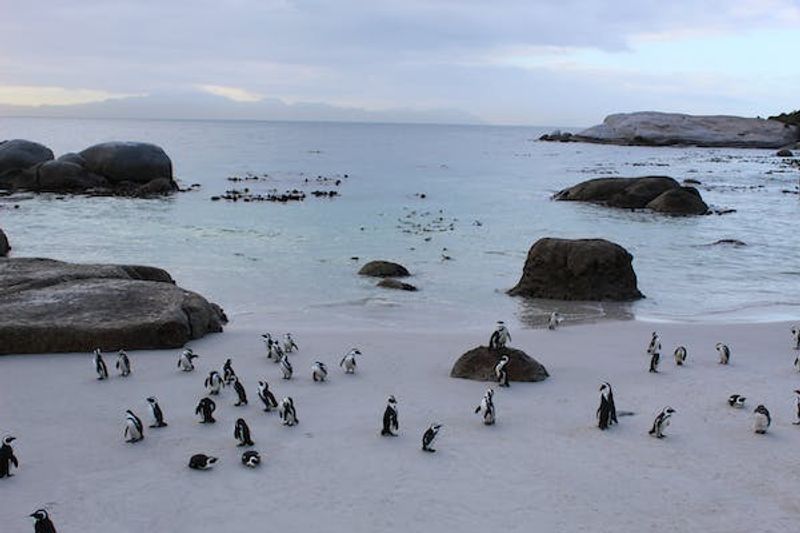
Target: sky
{"points": [[531, 62]]}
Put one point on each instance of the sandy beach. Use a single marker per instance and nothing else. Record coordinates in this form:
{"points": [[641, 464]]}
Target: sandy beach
{"points": [[543, 467]]}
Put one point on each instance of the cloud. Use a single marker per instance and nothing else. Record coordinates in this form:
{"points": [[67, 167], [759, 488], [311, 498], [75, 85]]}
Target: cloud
{"points": [[26, 95], [232, 93]]}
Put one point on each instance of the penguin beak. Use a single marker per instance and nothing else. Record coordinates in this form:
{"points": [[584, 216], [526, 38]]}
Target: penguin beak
{"points": [[12, 439]]}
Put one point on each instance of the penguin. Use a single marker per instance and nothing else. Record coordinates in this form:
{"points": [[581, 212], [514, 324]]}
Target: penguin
{"points": [[762, 420], [655, 344], [214, 382], [158, 415], [554, 321], [797, 407], [277, 352], [499, 337], [268, 342], [319, 371], [487, 407], [390, 418], [724, 353], [607, 412], [42, 522], [240, 392], [201, 461], [99, 365], [655, 357], [266, 396], [206, 408], [796, 337], [501, 372], [242, 433], [736, 400], [7, 457], [134, 429], [289, 345], [661, 422], [123, 364], [185, 360], [797, 363], [251, 459], [348, 362], [286, 367], [680, 355], [228, 375], [288, 412], [429, 436]]}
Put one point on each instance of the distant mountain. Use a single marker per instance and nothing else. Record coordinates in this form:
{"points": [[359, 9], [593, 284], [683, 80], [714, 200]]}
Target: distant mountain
{"points": [[205, 106]]}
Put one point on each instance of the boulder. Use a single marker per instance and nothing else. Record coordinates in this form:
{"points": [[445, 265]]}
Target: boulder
{"points": [[681, 201], [18, 154], [52, 306], [582, 269], [64, 176], [4, 246], [650, 128], [736, 243], [390, 283], [128, 161], [479, 363], [156, 187], [384, 269], [784, 153], [72, 157]]}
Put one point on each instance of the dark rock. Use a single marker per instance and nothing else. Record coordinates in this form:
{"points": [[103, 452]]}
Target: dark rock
{"points": [[64, 176], [692, 181], [136, 162], [384, 269], [682, 201], [52, 306], [158, 186], [72, 157], [784, 153], [728, 242], [479, 363], [18, 154], [390, 283], [5, 247], [557, 136], [583, 269]]}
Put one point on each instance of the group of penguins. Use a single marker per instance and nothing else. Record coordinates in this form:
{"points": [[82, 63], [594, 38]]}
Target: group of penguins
{"points": [[607, 412]]}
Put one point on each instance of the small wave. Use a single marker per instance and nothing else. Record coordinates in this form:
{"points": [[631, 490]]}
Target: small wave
{"points": [[358, 302]]}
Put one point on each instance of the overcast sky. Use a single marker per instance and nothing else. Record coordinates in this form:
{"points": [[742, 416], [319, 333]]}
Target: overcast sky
{"points": [[565, 62]]}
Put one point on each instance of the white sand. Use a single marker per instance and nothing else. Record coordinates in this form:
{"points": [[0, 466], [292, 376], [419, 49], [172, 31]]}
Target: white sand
{"points": [[543, 467]]}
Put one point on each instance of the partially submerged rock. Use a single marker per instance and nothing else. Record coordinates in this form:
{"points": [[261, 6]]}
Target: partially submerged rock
{"points": [[680, 201], [384, 269], [5, 247], [52, 306], [784, 153], [479, 363], [389, 283], [581, 269]]}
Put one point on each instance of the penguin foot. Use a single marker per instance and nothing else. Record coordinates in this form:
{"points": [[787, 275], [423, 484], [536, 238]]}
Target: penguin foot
{"points": [[429, 450], [796, 423]]}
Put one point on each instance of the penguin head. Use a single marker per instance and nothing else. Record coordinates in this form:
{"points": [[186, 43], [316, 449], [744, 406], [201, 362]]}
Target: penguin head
{"points": [[435, 427], [39, 514], [504, 359], [267, 336], [489, 392], [262, 384], [8, 440], [760, 409], [669, 410], [355, 351], [152, 400], [720, 346], [797, 391], [392, 399], [211, 460]]}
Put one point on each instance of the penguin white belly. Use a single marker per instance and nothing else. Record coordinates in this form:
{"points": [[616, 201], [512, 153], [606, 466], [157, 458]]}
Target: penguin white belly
{"points": [[760, 423]]}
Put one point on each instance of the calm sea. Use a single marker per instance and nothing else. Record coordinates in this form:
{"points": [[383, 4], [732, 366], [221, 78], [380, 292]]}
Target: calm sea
{"points": [[486, 200]]}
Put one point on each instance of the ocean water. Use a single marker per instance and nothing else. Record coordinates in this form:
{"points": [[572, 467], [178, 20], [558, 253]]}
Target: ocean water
{"points": [[486, 200]]}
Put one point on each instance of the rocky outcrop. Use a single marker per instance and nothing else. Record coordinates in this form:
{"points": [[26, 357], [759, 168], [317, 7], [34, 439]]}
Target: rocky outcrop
{"points": [[5, 247], [479, 363], [396, 284], [784, 153], [384, 269], [114, 168], [52, 306], [651, 128], [659, 193], [582, 269]]}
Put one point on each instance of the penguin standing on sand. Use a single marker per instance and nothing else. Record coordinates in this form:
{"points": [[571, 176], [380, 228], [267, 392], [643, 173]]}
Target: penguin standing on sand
{"points": [[501, 371], [390, 418], [206, 408], [268, 342], [289, 345], [201, 461], [240, 392], [348, 362], [429, 436], [554, 321], [251, 459], [736, 400], [680, 355], [42, 522], [286, 367], [319, 371], [99, 364], [761, 420], [266, 396], [214, 382], [242, 433], [486, 407], [796, 337], [797, 407], [288, 412], [7, 457], [228, 375], [185, 360], [499, 337], [724, 353], [655, 358], [134, 429], [655, 344], [123, 364], [797, 363], [607, 412], [661, 422], [155, 410]]}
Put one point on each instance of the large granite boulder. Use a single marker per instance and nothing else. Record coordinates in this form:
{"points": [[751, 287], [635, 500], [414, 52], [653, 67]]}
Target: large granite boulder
{"points": [[128, 161], [651, 128], [680, 201], [18, 154], [64, 176], [582, 269], [52, 306], [384, 269], [479, 363], [5, 247]]}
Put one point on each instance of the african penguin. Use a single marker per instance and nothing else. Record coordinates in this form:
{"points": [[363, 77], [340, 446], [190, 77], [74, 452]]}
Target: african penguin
{"points": [[251, 459], [7, 457], [486, 407], [348, 362], [42, 522], [796, 337], [214, 382], [289, 345], [607, 412], [429, 436], [266, 396], [680, 355], [736, 400], [123, 364], [155, 410], [201, 461], [390, 418], [501, 371], [242, 433], [554, 321], [286, 367], [661, 422], [134, 429], [499, 337], [185, 360], [724, 353], [655, 344], [99, 364], [240, 392], [655, 358], [287, 412], [228, 375], [797, 407], [761, 420], [206, 408], [319, 371], [268, 342], [797, 363]]}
